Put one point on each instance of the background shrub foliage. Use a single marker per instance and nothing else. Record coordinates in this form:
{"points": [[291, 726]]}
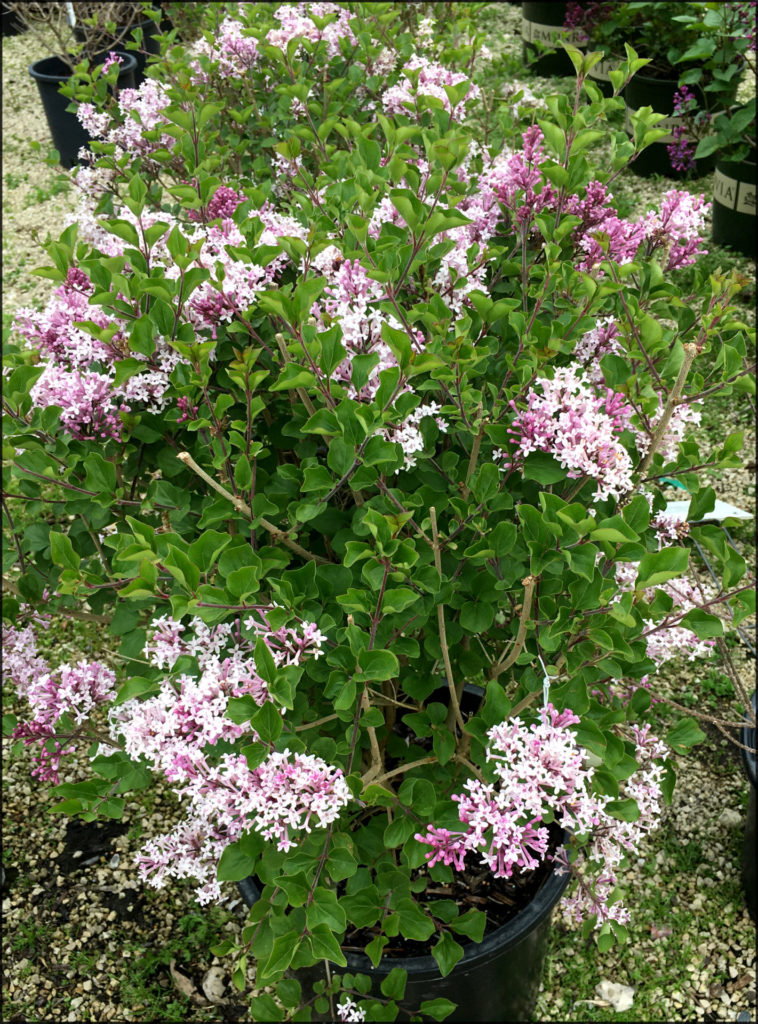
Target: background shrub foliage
{"points": [[299, 326]]}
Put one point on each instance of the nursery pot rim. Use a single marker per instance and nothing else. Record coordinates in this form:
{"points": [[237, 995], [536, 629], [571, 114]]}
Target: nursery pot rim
{"points": [[503, 938], [54, 77]]}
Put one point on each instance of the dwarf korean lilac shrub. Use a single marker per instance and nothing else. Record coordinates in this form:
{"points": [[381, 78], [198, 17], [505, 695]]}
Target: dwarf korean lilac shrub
{"points": [[340, 411]]}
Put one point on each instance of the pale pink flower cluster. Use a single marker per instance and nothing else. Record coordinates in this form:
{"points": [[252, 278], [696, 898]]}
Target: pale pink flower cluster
{"points": [[286, 794], [602, 340], [295, 22], [86, 401], [141, 110], [351, 300], [579, 426], [685, 415], [54, 332], [677, 229], [669, 529], [667, 642], [236, 52], [541, 770], [431, 81], [173, 729], [408, 433], [610, 840], [73, 690]]}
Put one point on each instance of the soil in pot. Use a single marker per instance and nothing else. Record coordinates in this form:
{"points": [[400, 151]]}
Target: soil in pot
{"points": [[68, 135], [734, 204]]}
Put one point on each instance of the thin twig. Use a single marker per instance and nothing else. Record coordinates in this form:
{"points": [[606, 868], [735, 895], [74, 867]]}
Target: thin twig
{"points": [[529, 583], [690, 351], [245, 509], [454, 697]]}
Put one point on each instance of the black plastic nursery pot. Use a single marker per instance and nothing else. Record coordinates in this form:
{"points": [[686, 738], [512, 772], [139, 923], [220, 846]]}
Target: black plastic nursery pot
{"points": [[734, 204], [67, 132], [749, 861], [543, 23], [150, 44], [497, 979], [659, 93]]}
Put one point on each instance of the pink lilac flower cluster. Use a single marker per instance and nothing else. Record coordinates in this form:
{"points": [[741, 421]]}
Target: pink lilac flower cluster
{"points": [[677, 229], [685, 415], [610, 840], [682, 150], [430, 80], [602, 340], [541, 770], [295, 21], [669, 529], [286, 794], [602, 233], [173, 730], [352, 300], [236, 52], [515, 180], [141, 111], [666, 642], [72, 690], [579, 426], [673, 235], [222, 203], [86, 401]]}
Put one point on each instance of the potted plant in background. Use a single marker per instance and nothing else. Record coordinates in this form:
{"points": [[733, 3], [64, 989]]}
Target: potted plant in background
{"points": [[726, 46], [699, 46], [105, 28], [340, 425]]}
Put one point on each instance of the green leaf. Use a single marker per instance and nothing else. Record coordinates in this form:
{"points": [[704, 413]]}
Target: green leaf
{"points": [[238, 859], [684, 735], [543, 468], [378, 665], [471, 924], [615, 530], [438, 1008], [393, 986], [658, 566], [624, 810], [284, 948], [62, 551], [325, 910], [325, 946], [447, 953]]}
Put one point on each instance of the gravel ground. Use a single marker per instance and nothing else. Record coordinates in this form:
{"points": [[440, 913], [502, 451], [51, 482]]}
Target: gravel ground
{"points": [[86, 942]]}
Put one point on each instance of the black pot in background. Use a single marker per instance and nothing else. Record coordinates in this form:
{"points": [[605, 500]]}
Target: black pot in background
{"points": [[497, 979], [150, 44], [67, 132], [734, 213], [539, 22], [11, 26], [749, 862], [658, 93]]}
